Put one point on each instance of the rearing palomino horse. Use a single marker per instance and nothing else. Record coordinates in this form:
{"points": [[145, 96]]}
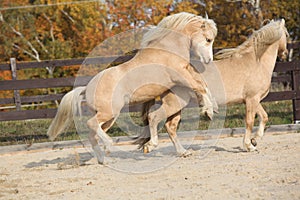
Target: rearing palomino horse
{"points": [[157, 67], [246, 73]]}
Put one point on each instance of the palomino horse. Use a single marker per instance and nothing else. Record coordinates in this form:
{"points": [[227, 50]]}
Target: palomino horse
{"points": [[246, 72], [157, 67]]}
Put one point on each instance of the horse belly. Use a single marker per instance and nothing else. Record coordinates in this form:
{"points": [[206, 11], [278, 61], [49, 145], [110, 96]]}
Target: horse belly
{"points": [[146, 93]]}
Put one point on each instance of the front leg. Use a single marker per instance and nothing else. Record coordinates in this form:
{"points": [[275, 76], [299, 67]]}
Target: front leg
{"points": [[262, 122], [263, 119], [251, 106], [208, 107], [198, 85]]}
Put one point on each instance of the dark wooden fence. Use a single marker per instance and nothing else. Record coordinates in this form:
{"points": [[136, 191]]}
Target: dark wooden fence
{"points": [[290, 72]]}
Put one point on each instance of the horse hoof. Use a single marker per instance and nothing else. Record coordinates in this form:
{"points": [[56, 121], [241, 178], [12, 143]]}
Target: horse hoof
{"points": [[146, 149], [100, 162], [100, 159], [185, 154], [253, 142], [208, 111], [249, 147], [107, 150], [209, 115], [216, 111]]}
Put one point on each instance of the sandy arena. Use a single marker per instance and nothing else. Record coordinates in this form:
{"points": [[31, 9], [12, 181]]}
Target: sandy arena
{"points": [[215, 171]]}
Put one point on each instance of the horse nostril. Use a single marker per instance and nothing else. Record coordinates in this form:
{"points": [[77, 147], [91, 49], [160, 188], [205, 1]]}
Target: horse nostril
{"points": [[208, 61], [285, 54]]}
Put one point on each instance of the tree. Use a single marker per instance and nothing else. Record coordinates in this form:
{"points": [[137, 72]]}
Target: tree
{"points": [[237, 18], [59, 29]]}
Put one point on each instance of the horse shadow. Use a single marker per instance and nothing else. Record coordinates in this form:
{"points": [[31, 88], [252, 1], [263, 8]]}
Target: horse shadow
{"points": [[82, 159], [79, 159], [233, 150], [196, 147]]}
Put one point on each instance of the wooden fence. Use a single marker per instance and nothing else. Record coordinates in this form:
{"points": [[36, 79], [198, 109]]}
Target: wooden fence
{"points": [[291, 74]]}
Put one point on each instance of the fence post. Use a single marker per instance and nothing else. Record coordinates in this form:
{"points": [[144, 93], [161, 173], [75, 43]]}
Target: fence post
{"points": [[296, 88], [17, 98]]}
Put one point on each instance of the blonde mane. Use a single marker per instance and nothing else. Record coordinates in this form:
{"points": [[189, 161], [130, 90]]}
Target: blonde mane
{"points": [[260, 40], [176, 22]]}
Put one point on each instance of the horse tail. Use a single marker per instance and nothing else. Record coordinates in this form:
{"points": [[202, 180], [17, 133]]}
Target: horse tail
{"points": [[69, 104], [144, 137]]}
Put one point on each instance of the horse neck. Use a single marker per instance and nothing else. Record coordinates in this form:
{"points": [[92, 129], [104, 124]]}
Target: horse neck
{"points": [[175, 43], [268, 59]]}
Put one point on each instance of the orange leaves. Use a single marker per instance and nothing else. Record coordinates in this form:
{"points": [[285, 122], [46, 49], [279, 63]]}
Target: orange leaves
{"points": [[73, 30], [5, 75]]}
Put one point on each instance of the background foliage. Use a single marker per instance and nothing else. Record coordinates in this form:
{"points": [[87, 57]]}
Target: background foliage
{"points": [[57, 29]]}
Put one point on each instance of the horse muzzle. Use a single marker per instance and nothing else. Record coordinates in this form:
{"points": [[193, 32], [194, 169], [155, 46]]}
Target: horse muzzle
{"points": [[206, 60], [283, 55]]}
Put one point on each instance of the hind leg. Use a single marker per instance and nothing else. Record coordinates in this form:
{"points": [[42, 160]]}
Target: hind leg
{"points": [[171, 126], [96, 128], [154, 118], [144, 137], [96, 148], [171, 105]]}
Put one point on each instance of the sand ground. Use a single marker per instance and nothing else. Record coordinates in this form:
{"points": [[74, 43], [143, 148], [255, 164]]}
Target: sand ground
{"points": [[215, 171]]}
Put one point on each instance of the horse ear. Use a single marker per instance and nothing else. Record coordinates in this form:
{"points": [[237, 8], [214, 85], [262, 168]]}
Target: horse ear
{"points": [[206, 15], [282, 22]]}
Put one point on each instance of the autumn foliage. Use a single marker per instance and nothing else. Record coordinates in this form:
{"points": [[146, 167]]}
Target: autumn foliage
{"points": [[36, 30]]}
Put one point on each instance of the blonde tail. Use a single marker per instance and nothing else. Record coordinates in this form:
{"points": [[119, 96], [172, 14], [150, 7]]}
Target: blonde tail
{"points": [[64, 115]]}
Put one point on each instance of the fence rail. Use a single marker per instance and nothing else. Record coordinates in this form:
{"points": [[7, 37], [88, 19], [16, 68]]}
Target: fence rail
{"points": [[15, 85]]}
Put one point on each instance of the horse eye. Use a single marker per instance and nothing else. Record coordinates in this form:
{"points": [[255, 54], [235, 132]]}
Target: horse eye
{"points": [[208, 40]]}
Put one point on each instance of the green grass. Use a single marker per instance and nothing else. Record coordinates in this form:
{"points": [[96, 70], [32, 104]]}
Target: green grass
{"points": [[29, 131]]}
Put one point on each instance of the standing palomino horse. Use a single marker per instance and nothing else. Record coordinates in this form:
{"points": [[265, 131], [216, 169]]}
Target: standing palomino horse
{"points": [[246, 73], [157, 67]]}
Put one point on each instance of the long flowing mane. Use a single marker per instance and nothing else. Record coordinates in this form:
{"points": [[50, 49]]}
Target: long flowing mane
{"points": [[176, 22], [260, 40]]}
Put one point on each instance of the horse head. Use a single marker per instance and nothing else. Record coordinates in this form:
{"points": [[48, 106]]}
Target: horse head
{"points": [[202, 32], [282, 49]]}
